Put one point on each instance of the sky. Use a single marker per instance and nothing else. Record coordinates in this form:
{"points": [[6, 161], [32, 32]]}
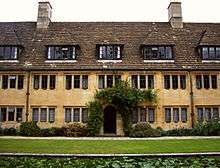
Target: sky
{"points": [[110, 10]]}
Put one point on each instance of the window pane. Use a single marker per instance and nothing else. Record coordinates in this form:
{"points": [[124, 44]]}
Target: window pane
{"points": [[150, 82], [147, 53], [155, 52], [200, 114], [52, 82], [142, 81], [12, 82], [151, 115], [117, 79], [77, 81], [184, 115], [61, 52], [101, 81], [44, 82], [109, 81], [36, 81], [169, 53], [51, 114], [215, 113], [51, 53], [19, 114], [35, 115], [218, 52], [13, 53], [175, 81], [208, 115], [68, 82], [43, 115], [3, 114], [4, 81], [143, 115], [11, 114], [67, 114], [206, 81], [85, 82], [20, 81], [214, 81], [176, 115], [211, 52], [198, 81], [76, 114], [84, 115], [205, 53], [134, 81], [134, 116], [182, 81], [102, 52], [167, 81], [167, 115], [7, 52], [1, 53], [162, 52]]}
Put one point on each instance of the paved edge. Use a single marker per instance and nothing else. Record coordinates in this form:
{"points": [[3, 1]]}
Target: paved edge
{"points": [[49, 155]]}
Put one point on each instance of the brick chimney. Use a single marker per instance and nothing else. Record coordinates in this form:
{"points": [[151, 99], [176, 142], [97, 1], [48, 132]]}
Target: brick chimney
{"points": [[175, 14], [44, 15]]}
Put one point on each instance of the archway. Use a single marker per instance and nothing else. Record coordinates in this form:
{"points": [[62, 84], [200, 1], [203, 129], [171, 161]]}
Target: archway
{"points": [[110, 120]]}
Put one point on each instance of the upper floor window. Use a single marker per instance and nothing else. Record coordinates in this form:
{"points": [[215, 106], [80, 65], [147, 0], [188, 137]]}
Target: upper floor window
{"points": [[108, 81], [8, 52], [109, 52], [44, 81], [76, 82], [142, 81], [178, 82], [210, 52], [206, 81], [12, 81], [158, 52], [61, 52]]}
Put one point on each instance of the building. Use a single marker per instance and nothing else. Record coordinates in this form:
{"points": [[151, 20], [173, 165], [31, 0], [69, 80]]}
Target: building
{"points": [[50, 70]]}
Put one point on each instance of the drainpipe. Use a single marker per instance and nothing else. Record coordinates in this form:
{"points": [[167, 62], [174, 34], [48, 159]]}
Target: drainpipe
{"points": [[27, 96], [191, 99]]}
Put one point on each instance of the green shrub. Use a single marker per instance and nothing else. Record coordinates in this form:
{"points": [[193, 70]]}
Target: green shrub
{"points": [[144, 130], [29, 129], [1, 131], [75, 130], [58, 131], [46, 132], [178, 132], [9, 131]]}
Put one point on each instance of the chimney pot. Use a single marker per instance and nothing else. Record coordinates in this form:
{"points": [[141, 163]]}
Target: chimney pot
{"points": [[44, 15]]}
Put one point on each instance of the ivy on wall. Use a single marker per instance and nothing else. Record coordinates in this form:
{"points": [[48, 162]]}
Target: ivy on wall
{"points": [[124, 98]]}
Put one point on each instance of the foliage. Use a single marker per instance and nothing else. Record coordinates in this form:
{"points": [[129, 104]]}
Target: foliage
{"points": [[110, 162], [75, 130], [124, 98], [144, 130], [29, 129], [9, 131]]}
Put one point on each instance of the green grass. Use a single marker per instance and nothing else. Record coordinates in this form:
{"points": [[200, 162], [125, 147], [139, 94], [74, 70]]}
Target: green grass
{"points": [[109, 146]]}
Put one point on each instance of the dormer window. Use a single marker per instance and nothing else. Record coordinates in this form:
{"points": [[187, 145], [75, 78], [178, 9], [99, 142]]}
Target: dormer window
{"points": [[158, 52], [8, 52], [61, 53], [210, 52], [109, 52]]}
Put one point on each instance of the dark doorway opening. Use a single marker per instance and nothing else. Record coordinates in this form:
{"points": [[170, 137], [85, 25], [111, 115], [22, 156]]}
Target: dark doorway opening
{"points": [[110, 120]]}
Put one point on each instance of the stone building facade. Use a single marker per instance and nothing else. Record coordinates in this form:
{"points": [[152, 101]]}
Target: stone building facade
{"points": [[50, 70]]}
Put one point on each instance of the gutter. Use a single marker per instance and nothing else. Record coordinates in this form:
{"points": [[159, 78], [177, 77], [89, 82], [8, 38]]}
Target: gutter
{"points": [[28, 96], [191, 99]]}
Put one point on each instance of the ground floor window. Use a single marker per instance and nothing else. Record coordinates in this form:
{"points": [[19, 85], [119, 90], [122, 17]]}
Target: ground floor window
{"points": [[11, 114], [76, 114], [207, 113], [143, 114], [45, 114], [175, 114]]}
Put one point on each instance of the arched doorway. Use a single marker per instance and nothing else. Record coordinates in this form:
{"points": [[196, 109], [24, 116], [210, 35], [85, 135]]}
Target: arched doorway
{"points": [[110, 120]]}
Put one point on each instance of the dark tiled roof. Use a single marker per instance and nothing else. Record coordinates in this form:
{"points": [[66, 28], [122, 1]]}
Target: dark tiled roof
{"points": [[88, 34]]}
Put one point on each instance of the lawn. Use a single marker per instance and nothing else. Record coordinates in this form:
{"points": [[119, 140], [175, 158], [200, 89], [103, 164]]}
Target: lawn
{"points": [[109, 146]]}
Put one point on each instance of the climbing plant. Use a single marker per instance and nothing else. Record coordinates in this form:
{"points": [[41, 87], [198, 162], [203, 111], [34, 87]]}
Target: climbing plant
{"points": [[123, 97]]}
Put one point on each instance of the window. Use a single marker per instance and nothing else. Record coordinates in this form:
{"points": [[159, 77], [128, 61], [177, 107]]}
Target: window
{"points": [[150, 82], [5, 82], [101, 81], [134, 116], [175, 81], [61, 53], [208, 114], [19, 114], [200, 114], [109, 52], [143, 115], [184, 115], [176, 115], [67, 114], [3, 114], [158, 52], [51, 115], [68, 82], [142, 81], [36, 81], [84, 115], [214, 81], [198, 81], [167, 81], [210, 52], [168, 115], [117, 79], [20, 81], [134, 81], [52, 82], [76, 115], [44, 82], [76, 81], [85, 82], [11, 114], [109, 81], [12, 82], [8, 52], [43, 115], [215, 113], [182, 81], [151, 115], [206, 81], [35, 115]]}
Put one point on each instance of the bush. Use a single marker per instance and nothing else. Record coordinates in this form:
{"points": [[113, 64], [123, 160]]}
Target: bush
{"points": [[178, 132], [75, 130], [144, 130], [1, 131], [46, 132], [58, 131], [29, 129], [9, 131]]}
